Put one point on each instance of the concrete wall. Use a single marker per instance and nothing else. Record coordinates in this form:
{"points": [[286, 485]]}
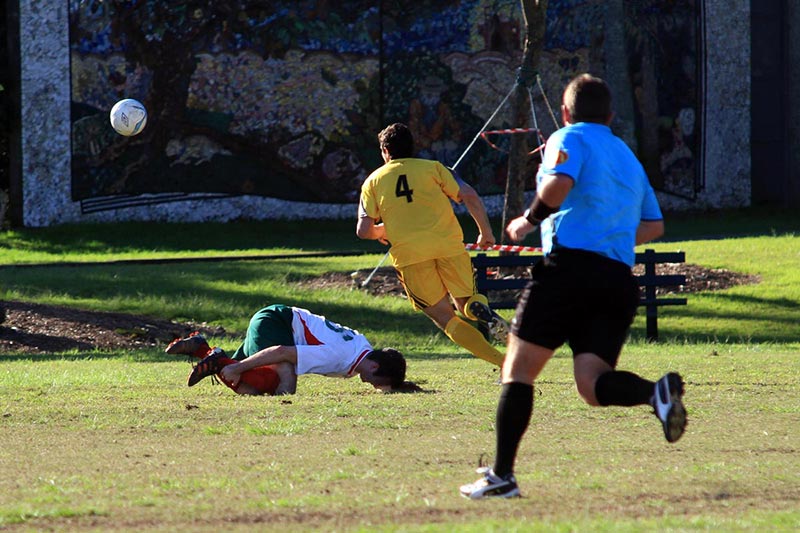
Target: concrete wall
{"points": [[726, 113]]}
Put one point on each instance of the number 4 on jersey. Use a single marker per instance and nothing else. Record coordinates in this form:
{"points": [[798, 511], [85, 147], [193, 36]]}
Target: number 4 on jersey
{"points": [[401, 188]]}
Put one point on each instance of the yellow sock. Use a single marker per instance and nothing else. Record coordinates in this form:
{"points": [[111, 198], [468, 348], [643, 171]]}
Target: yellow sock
{"points": [[473, 340]]}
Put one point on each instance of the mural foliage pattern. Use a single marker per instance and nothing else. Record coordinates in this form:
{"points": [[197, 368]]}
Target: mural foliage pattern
{"points": [[284, 99]]}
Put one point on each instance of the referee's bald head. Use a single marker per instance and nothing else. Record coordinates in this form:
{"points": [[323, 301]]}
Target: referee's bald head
{"points": [[588, 99]]}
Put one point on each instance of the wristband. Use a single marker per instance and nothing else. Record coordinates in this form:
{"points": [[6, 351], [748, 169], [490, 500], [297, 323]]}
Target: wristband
{"points": [[527, 215], [538, 211]]}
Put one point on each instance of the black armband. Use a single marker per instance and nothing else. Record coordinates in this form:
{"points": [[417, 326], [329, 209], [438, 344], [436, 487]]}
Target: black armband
{"points": [[538, 211]]}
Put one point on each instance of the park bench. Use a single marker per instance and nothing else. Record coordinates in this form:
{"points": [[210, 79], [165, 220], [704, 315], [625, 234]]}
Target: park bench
{"points": [[649, 281]]}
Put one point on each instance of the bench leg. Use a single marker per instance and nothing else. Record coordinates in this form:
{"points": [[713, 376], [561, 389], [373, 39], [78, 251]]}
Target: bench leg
{"points": [[652, 324]]}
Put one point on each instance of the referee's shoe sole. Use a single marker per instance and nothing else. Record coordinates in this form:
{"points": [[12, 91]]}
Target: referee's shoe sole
{"points": [[668, 405]]}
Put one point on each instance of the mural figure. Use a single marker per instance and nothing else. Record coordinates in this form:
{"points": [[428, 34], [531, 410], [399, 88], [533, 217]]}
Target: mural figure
{"points": [[432, 124], [280, 99]]}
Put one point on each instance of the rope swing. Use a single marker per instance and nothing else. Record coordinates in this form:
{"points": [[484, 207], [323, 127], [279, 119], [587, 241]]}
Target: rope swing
{"points": [[525, 77]]}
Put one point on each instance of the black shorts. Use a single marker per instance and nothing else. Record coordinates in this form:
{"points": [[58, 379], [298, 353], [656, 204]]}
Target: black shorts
{"points": [[581, 298]]}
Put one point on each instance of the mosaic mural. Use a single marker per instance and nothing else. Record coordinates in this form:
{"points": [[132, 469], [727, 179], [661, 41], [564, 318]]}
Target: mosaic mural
{"points": [[283, 99]]}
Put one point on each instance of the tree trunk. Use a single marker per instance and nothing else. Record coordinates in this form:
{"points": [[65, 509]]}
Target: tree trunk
{"points": [[533, 12]]}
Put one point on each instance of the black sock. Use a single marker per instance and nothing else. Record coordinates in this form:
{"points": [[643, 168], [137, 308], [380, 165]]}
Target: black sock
{"points": [[513, 415], [618, 387]]}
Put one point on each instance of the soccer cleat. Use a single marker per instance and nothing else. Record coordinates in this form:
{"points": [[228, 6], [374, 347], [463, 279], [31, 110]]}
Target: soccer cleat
{"points": [[195, 344], [209, 366], [497, 325], [668, 406], [491, 486]]}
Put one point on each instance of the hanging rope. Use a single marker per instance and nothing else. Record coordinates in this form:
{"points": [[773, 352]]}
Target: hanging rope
{"points": [[525, 77], [546, 101], [484, 126]]}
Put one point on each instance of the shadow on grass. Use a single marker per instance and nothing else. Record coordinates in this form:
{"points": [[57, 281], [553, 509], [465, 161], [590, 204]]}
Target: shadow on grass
{"points": [[124, 237]]}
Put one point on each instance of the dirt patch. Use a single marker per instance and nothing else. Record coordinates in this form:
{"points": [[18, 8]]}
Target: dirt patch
{"points": [[40, 329]]}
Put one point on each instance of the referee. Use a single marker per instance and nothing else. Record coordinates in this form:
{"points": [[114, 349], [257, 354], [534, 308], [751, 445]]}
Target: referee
{"points": [[594, 205]]}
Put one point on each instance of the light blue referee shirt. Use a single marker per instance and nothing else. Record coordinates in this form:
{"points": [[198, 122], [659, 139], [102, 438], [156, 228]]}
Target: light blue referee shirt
{"points": [[611, 194]]}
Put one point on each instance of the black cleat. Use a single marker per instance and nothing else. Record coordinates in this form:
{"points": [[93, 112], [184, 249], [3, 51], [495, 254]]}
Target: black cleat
{"points": [[485, 315], [668, 406], [209, 366]]}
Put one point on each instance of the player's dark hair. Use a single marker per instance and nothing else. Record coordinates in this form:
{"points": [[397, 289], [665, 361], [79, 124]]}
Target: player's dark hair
{"points": [[391, 364], [397, 140], [588, 99]]}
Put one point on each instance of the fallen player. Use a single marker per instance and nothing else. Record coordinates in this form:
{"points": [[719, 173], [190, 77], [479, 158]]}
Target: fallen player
{"points": [[283, 342]]}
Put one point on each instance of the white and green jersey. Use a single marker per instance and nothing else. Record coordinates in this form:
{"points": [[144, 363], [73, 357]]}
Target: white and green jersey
{"points": [[325, 347]]}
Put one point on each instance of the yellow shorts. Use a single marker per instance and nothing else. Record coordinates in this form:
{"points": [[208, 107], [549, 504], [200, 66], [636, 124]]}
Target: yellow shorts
{"points": [[429, 281]]}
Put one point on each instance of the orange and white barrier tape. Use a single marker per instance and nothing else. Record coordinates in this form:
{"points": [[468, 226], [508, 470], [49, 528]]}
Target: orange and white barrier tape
{"points": [[502, 248], [511, 131]]}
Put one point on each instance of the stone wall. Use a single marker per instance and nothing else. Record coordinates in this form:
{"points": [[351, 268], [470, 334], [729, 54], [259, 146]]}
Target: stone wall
{"points": [[726, 113], [45, 114]]}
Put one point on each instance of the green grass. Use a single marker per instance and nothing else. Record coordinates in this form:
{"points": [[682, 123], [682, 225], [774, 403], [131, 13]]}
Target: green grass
{"points": [[116, 443], [109, 441]]}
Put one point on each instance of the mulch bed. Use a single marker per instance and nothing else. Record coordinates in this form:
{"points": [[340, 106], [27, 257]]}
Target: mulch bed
{"points": [[698, 278]]}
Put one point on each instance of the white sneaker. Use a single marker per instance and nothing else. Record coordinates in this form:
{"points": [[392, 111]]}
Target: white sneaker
{"points": [[669, 407], [491, 486]]}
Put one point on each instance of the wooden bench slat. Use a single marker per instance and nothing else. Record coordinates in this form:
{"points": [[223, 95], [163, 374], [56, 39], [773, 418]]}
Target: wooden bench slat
{"points": [[505, 260], [660, 257], [663, 301], [504, 284], [648, 281], [661, 279]]}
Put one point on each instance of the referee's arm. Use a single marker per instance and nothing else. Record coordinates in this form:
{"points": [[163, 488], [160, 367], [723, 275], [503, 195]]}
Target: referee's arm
{"points": [[649, 230]]}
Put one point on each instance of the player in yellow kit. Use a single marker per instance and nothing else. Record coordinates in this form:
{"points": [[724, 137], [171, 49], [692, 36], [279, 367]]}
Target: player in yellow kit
{"points": [[406, 203]]}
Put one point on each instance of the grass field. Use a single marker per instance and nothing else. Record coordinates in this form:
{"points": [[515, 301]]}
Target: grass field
{"points": [[116, 442]]}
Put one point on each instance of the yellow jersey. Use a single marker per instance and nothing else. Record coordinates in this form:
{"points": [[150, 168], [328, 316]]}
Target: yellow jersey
{"points": [[412, 198]]}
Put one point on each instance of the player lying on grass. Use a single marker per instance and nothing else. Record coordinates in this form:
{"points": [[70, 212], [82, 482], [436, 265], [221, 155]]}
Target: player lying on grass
{"points": [[283, 342]]}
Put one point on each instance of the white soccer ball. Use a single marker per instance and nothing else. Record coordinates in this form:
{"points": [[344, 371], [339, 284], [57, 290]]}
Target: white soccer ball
{"points": [[128, 117]]}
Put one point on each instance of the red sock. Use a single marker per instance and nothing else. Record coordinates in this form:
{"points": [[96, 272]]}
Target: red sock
{"points": [[264, 379]]}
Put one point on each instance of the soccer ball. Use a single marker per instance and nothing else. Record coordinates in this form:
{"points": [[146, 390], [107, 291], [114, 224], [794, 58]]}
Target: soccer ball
{"points": [[128, 117]]}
